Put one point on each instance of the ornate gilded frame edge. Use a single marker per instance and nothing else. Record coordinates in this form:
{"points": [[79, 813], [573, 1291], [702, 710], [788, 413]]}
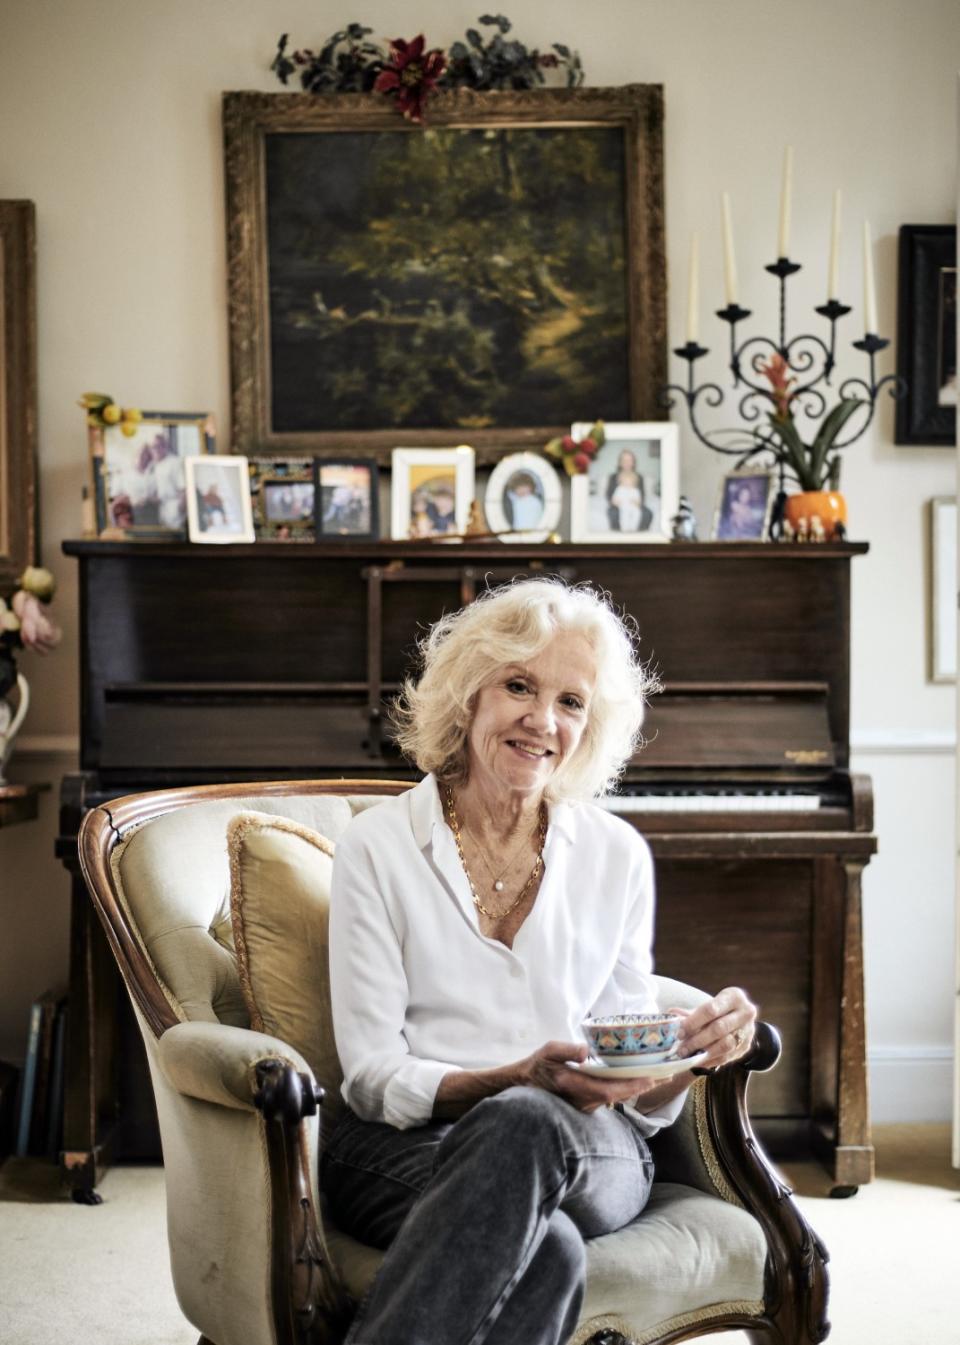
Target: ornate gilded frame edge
{"points": [[247, 116], [19, 533]]}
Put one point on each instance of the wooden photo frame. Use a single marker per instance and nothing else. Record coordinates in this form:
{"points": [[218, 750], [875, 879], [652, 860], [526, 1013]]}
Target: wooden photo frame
{"points": [[218, 499], [139, 480], [631, 489], [943, 589], [744, 505], [927, 335], [19, 534], [347, 499], [430, 492], [523, 499], [283, 499], [469, 281]]}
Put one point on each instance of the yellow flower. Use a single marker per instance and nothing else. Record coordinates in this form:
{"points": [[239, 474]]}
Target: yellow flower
{"points": [[38, 581]]}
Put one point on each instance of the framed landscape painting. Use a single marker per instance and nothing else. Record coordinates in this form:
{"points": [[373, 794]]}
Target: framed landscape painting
{"points": [[475, 279]]}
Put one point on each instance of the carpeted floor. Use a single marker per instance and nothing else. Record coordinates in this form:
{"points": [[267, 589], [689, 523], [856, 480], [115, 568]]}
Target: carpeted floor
{"points": [[100, 1274]]}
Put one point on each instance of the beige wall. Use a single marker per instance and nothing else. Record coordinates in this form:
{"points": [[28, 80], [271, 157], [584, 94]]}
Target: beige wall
{"points": [[110, 123]]}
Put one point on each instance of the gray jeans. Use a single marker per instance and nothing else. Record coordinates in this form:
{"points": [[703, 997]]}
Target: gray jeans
{"points": [[484, 1219]]}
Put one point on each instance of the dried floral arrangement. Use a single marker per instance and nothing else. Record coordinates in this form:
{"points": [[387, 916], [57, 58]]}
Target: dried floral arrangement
{"points": [[348, 62]]}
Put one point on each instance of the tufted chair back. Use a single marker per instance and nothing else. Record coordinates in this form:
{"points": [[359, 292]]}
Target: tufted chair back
{"points": [[173, 876]]}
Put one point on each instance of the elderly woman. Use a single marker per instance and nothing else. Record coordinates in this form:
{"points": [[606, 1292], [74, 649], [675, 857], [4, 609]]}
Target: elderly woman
{"points": [[476, 921]]}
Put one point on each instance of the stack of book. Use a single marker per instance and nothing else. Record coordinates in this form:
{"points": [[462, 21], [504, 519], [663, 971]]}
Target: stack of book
{"points": [[40, 1113]]}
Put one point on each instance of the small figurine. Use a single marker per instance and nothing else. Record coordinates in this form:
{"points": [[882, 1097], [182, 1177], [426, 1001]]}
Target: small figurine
{"points": [[475, 523], [802, 534], [684, 522], [786, 531], [817, 531]]}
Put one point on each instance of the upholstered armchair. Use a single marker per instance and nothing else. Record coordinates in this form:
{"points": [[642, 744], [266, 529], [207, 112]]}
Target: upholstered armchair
{"points": [[243, 1101]]}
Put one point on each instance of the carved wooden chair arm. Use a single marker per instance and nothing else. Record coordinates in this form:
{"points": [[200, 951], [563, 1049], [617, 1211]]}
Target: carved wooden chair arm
{"points": [[285, 1093], [796, 1256]]}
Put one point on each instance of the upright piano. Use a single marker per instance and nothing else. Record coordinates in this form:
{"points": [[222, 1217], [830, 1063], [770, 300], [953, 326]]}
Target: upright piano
{"points": [[279, 660]]}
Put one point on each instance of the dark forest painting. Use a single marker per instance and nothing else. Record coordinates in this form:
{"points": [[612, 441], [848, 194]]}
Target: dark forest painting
{"points": [[467, 278], [486, 280]]}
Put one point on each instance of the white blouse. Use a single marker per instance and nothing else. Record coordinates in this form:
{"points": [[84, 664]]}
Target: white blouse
{"points": [[418, 991]]}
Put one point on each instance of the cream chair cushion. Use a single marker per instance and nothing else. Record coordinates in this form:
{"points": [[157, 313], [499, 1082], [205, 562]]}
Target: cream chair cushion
{"points": [[280, 873]]}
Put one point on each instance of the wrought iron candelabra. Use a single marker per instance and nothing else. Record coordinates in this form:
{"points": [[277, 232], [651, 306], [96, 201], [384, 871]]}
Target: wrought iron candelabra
{"points": [[807, 356]]}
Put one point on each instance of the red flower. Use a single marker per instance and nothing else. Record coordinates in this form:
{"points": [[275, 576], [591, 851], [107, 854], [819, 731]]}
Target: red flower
{"points": [[581, 462], [411, 75], [776, 372]]}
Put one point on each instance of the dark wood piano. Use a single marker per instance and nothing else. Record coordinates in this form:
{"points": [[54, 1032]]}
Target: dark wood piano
{"points": [[276, 660]]}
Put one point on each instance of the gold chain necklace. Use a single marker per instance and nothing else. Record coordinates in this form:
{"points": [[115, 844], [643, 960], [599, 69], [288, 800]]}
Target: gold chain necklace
{"points": [[535, 874], [497, 881]]}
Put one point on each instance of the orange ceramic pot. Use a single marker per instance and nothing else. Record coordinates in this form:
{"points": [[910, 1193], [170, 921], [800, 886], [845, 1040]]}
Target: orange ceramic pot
{"points": [[827, 505]]}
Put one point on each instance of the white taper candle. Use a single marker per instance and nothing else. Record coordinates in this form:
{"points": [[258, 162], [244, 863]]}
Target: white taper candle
{"points": [[729, 257], [693, 289], [833, 275], [783, 241], [869, 288]]}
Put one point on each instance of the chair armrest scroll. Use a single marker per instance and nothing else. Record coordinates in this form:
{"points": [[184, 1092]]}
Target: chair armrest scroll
{"points": [[285, 1093], [217, 1063], [765, 1050]]}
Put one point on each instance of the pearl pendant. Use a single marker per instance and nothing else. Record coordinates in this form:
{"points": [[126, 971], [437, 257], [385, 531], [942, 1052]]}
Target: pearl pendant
{"points": [[498, 886]]}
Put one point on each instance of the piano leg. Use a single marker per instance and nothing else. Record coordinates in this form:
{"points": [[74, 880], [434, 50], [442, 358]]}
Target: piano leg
{"points": [[838, 1075], [90, 1090]]}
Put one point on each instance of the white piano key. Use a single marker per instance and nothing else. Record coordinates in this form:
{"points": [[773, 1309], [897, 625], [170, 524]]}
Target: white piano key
{"points": [[710, 803]]}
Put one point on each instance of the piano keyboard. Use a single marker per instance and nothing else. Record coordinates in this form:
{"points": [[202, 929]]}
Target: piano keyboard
{"points": [[710, 803]]}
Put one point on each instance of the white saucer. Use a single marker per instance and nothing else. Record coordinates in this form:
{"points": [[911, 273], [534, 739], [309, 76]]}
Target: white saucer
{"points": [[659, 1069]]}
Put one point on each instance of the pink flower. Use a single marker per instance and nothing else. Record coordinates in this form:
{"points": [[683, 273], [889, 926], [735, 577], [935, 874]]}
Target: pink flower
{"points": [[37, 631], [776, 373]]}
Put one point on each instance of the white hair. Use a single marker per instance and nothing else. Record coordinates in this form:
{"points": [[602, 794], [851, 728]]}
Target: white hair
{"points": [[464, 652]]}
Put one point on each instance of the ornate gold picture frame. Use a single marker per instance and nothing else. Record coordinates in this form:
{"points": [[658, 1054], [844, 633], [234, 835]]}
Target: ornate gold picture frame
{"points": [[481, 280], [18, 391]]}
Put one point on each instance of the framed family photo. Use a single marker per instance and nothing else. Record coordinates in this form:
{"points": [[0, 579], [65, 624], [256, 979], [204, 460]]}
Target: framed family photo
{"points": [[218, 499], [523, 499], [431, 492], [348, 506], [139, 480], [282, 498], [927, 334], [631, 489], [744, 506], [536, 278]]}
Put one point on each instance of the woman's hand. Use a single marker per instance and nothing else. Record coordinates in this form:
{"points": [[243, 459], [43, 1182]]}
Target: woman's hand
{"points": [[723, 1027], [548, 1067]]}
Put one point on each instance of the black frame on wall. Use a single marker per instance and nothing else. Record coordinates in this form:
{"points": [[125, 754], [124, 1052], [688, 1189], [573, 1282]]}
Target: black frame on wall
{"points": [[926, 333]]}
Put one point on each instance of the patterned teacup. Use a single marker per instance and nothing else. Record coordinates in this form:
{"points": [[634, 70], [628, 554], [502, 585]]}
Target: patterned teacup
{"points": [[629, 1038]]}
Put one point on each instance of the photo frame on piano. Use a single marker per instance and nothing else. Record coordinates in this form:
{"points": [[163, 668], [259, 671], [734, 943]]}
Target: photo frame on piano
{"points": [[283, 499], [139, 482], [347, 499], [431, 492], [744, 505], [218, 499], [631, 490]]}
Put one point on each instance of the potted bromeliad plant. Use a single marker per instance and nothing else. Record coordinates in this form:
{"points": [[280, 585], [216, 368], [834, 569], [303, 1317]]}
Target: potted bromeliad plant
{"points": [[813, 466]]}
